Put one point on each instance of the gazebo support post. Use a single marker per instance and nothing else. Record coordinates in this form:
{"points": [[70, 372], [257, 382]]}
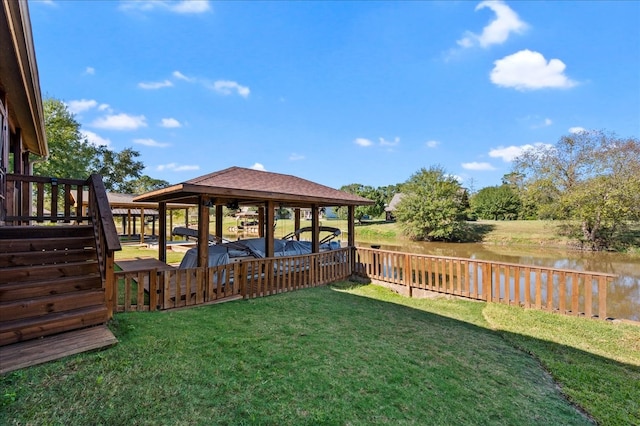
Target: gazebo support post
{"points": [[351, 237], [162, 237], [315, 226], [219, 220], [269, 216], [142, 225], [203, 231], [129, 223], [170, 223], [351, 228], [296, 221], [261, 222]]}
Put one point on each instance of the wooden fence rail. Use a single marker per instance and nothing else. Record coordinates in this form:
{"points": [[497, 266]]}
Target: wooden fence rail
{"points": [[565, 291], [152, 289], [55, 200]]}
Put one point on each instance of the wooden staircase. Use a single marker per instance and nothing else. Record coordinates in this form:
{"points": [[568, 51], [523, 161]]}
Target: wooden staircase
{"points": [[49, 282]]}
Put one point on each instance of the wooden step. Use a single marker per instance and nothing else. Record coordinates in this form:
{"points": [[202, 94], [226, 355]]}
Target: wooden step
{"points": [[31, 328], [30, 290], [60, 231], [29, 308], [42, 272], [25, 354], [46, 257], [18, 245]]}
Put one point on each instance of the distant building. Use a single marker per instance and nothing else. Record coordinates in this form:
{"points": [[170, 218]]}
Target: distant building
{"points": [[392, 207]]}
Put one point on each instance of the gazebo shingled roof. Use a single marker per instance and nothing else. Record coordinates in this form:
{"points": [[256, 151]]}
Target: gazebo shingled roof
{"points": [[241, 186], [248, 186]]}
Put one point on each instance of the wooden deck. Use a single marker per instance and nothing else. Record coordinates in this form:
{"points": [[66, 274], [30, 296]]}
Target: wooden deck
{"points": [[143, 264], [38, 351]]}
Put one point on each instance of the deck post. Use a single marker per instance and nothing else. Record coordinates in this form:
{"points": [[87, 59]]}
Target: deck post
{"points": [[109, 285]]}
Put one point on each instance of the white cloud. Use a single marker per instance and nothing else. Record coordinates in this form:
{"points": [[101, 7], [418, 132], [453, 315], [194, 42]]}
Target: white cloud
{"points": [[190, 6], [182, 6], [150, 142], [155, 85], [432, 144], [296, 157], [170, 123], [510, 153], [120, 122], [180, 76], [76, 107], [95, 139], [227, 87], [173, 167], [90, 71], [575, 130], [477, 166], [498, 30], [363, 142], [527, 70], [258, 166], [394, 142], [104, 107]]}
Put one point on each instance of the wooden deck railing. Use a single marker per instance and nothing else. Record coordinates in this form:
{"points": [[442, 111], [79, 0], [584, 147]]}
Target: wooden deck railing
{"points": [[558, 290], [107, 240], [59, 201], [151, 289], [44, 199]]}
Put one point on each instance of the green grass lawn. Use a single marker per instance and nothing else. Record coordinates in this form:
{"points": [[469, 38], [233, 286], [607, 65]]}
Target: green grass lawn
{"points": [[135, 251], [339, 355]]}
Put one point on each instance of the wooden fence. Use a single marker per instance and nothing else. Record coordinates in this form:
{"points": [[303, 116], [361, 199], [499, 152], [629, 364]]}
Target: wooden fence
{"points": [[558, 290], [153, 289]]}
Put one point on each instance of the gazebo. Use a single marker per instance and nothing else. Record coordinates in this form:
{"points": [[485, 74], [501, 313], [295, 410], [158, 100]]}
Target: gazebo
{"points": [[236, 187], [129, 211]]}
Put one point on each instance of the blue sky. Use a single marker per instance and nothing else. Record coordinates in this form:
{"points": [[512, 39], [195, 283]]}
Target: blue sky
{"points": [[340, 92]]}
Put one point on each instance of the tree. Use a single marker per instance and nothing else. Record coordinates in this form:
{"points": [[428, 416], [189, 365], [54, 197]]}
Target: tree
{"points": [[496, 203], [146, 184], [590, 178], [432, 206], [120, 170], [381, 196], [72, 156]]}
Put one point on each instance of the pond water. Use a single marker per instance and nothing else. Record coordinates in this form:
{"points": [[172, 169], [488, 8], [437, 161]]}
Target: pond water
{"points": [[623, 296]]}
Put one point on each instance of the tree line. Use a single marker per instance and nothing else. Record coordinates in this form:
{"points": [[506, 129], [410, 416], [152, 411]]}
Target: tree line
{"points": [[590, 181]]}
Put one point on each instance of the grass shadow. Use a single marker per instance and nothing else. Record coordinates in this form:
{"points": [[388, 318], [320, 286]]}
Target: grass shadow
{"points": [[372, 222], [603, 389], [477, 231]]}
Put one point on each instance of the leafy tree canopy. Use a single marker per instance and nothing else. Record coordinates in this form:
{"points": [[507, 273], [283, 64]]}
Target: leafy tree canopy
{"points": [[381, 196], [433, 206], [72, 156], [592, 177], [496, 203]]}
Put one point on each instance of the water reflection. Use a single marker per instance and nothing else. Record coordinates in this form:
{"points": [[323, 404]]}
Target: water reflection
{"points": [[623, 299]]}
